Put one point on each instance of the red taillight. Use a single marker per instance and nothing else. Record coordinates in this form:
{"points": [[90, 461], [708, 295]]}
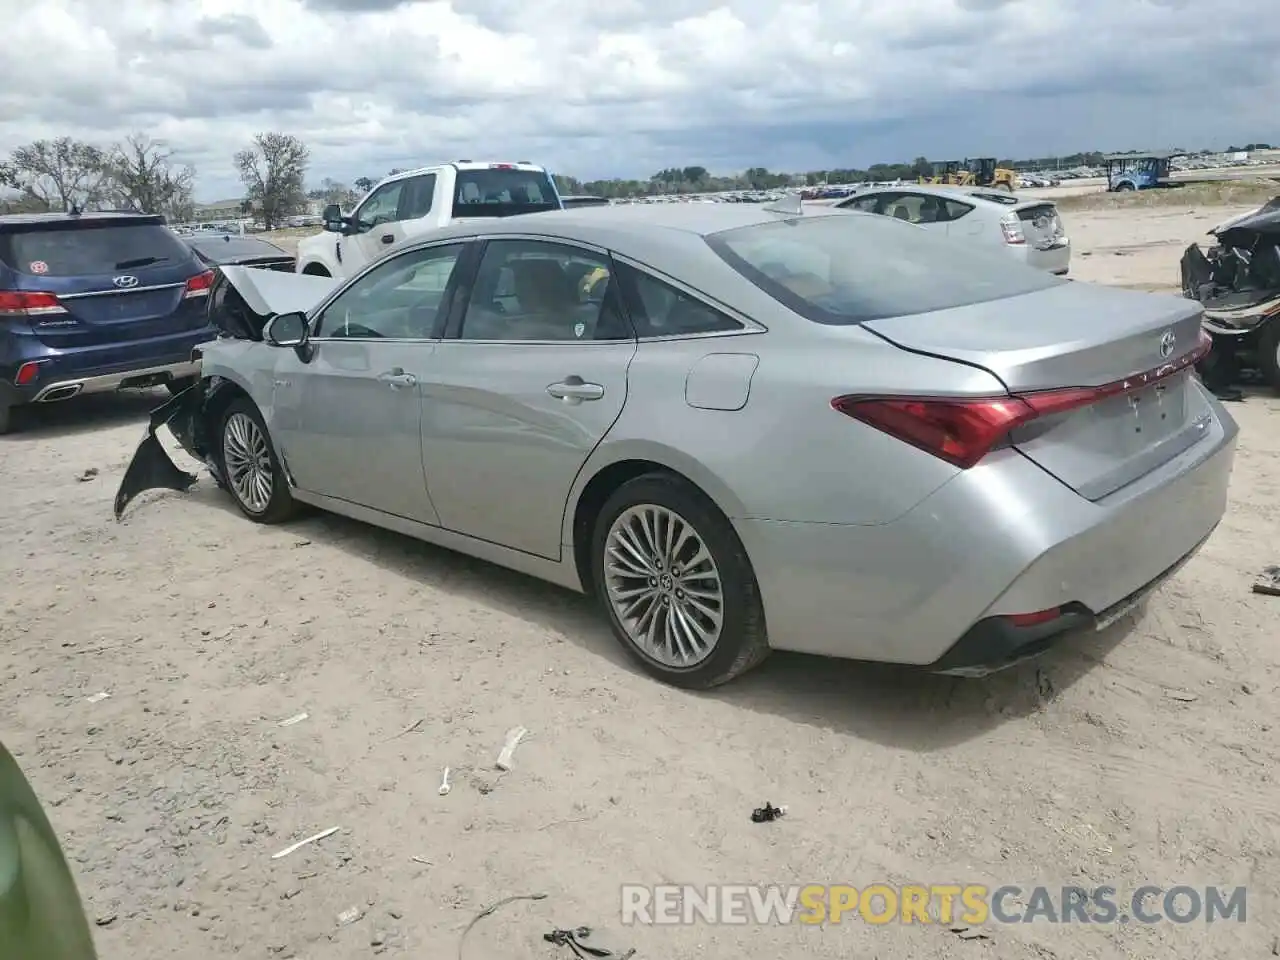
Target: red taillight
{"points": [[27, 373], [962, 431], [198, 286], [24, 303], [1032, 619]]}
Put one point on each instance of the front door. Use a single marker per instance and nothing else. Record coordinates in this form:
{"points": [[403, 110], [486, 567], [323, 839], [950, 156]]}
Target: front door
{"points": [[348, 420], [376, 227], [519, 395]]}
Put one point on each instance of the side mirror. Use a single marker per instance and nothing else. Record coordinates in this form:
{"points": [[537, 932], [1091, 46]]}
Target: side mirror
{"points": [[334, 221], [286, 330]]}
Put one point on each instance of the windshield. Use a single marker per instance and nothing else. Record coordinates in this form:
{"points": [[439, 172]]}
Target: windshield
{"points": [[849, 268], [86, 249], [503, 191]]}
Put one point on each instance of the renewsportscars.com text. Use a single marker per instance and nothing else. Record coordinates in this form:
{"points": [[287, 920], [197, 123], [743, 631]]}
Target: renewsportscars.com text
{"points": [[972, 904]]}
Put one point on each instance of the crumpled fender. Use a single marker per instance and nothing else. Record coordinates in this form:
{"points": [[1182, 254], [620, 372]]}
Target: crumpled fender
{"points": [[151, 467]]}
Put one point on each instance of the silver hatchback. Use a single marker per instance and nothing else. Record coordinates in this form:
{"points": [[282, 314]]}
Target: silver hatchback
{"points": [[1030, 230]]}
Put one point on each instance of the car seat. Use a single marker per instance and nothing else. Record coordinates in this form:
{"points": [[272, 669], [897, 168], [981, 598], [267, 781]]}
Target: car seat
{"points": [[900, 212]]}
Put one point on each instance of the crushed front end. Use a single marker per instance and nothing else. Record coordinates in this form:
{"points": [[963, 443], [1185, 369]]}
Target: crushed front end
{"points": [[1238, 282]]}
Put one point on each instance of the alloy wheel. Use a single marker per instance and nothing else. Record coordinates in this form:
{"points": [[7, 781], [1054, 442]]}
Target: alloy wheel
{"points": [[247, 458], [663, 585]]}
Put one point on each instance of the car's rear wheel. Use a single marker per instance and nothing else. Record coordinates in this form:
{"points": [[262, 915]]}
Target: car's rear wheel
{"points": [[250, 468], [676, 584]]}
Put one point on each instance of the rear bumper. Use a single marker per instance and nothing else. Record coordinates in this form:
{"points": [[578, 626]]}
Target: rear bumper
{"points": [[1001, 538], [995, 643], [99, 368], [1056, 260], [106, 382]]}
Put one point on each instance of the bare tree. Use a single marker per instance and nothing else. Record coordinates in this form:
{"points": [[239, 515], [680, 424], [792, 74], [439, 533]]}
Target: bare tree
{"points": [[143, 176], [273, 171], [56, 174]]}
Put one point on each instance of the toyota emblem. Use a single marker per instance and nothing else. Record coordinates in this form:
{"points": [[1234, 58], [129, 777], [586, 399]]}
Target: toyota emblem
{"points": [[126, 282], [1167, 343]]}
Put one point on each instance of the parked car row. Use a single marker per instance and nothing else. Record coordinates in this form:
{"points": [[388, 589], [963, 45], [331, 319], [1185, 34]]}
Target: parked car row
{"points": [[673, 407]]}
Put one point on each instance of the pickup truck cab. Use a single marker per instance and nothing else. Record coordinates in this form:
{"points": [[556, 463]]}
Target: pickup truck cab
{"points": [[414, 202]]}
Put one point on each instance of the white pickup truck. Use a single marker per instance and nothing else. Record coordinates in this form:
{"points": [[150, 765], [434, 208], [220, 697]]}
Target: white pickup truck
{"points": [[411, 203]]}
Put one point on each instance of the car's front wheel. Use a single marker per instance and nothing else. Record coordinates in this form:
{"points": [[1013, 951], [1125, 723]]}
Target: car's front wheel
{"points": [[676, 584], [250, 468]]}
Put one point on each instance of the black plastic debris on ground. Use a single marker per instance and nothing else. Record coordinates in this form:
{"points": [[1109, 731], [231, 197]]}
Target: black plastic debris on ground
{"points": [[1268, 583], [767, 814], [573, 940]]}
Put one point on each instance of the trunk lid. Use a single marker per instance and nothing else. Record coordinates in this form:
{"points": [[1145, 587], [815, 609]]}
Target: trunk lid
{"points": [[1041, 224], [1080, 336]]}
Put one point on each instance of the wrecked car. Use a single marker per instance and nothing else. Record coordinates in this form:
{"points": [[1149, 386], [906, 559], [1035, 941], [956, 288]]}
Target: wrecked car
{"points": [[739, 428], [1238, 282]]}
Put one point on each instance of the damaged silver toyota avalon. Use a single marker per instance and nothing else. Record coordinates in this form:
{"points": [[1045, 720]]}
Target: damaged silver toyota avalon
{"points": [[740, 427]]}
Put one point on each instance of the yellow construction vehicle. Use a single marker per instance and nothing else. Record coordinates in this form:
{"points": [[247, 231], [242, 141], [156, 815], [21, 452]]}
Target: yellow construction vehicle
{"points": [[972, 173], [984, 173]]}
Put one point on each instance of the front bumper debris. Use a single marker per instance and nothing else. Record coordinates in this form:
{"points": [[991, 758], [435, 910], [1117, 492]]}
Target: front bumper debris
{"points": [[151, 467]]}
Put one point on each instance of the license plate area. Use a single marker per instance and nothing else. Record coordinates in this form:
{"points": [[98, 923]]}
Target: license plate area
{"points": [[145, 380], [1148, 415]]}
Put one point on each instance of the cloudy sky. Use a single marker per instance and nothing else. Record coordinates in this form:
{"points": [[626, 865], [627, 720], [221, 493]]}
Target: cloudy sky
{"points": [[598, 88]]}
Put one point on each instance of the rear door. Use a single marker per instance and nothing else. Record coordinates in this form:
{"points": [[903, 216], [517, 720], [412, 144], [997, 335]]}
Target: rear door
{"points": [[531, 378], [119, 279]]}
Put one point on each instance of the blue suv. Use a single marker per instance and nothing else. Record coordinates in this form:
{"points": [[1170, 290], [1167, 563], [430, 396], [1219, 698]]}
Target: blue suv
{"points": [[92, 302]]}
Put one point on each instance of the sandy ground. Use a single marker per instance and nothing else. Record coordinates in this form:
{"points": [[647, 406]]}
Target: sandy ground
{"points": [[1147, 754]]}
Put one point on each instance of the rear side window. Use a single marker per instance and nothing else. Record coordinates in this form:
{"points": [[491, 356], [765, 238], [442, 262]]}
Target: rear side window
{"points": [[500, 191], [849, 268], [88, 249]]}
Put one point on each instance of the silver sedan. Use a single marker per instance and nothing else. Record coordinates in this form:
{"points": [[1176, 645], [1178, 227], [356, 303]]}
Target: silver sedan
{"points": [[742, 428]]}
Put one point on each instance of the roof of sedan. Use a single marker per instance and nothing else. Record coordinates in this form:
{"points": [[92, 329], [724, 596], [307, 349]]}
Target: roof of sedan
{"points": [[699, 219]]}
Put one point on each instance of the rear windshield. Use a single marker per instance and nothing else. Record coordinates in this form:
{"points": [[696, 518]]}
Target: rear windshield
{"points": [[497, 192], [849, 268], [225, 249], [88, 248]]}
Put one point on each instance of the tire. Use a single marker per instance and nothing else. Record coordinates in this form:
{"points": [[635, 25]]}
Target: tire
{"points": [[175, 387], [741, 642], [1124, 187], [1268, 353], [242, 418]]}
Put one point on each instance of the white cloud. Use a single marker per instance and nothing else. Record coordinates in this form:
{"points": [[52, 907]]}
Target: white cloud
{"points": [[624, 87]]}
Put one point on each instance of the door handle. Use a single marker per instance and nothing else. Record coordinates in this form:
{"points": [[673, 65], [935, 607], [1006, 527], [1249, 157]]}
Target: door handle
{"points": [[397, 378], [388, 238], [575, 388]]}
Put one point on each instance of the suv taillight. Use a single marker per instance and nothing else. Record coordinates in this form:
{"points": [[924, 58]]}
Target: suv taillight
{"points": [[198, 286], [1011, 227], [25, 303]]}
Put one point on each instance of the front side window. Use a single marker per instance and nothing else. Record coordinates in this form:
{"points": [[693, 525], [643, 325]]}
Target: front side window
{"points": [[839, 269], [536, 290], [862, 204], [415, 199], [381, 207], [401, 299]]}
